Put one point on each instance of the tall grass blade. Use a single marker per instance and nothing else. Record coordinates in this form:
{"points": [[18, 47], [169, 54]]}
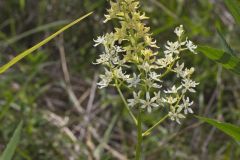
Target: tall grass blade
{"points": [[225, 44], [230, 129], [33, 31], [27, 52], [234, 7], [12, 145], [227, 60]]}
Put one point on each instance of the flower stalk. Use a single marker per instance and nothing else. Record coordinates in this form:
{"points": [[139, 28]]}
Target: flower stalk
{"points": [[139, 136], [147, 132], [126, 105]]}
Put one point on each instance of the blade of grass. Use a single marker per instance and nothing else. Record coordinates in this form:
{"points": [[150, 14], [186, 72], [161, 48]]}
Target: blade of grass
{"points": [[27, 52], [99, 149], [225, 44], [33, 31], [230, 129], [234, 7], [12, 145], [227, 60]]}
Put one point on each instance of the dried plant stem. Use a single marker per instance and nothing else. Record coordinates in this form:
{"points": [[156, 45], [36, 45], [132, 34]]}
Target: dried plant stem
{"points": [[147, 132], [125, 104], [139, 136]]}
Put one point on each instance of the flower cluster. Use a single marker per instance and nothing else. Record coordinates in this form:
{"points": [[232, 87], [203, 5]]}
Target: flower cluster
{"points": [[130, 62]]}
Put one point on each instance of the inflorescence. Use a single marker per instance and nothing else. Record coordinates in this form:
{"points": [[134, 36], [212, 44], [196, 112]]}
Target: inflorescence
{"points": [[130, 62]]}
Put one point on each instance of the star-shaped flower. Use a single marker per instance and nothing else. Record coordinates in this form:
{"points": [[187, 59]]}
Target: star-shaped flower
{"points": [[170, 100], [172, 47], [174, 89], [99, 40], [136, 99], [176, 115], [191, 46], [134, 81], [149, 103], [179, 31], [186, 106], [189, 85]]}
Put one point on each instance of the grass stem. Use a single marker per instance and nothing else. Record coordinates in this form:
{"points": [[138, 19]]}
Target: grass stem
{"points": [[126, 105], [139, 136], [147, 132]]}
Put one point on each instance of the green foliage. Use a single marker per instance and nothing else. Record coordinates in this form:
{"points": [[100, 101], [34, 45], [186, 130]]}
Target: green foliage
{"points": [[227, 60], [40, 44], [234, 7], [230, 129], [12, 145], [225, 44]]}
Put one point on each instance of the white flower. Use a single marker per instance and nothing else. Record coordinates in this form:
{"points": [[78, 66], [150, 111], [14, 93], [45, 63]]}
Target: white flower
{"points": [[158, 98], [151, 84], [172, 47], [108, 17], [119, 74], [155, 85], [179, 69], [149, 41], [149, 102], [103, 59], [135, 100], [118, 49], [116, 60], [173, 89], [164, 62], [134, 81], [191, 46], [179, 31], [176, 115], [146, 67], [186, 105], [99, 40], [189, 84], [154, 76], [170, 100], [187, 72], [105, 79]]}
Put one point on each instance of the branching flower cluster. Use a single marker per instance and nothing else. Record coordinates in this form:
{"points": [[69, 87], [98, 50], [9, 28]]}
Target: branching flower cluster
{"points": [[131, 62]]}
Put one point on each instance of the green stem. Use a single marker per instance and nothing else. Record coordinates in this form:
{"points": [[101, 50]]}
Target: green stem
{"points": [[147, 132], [139, 136], [126, 105]]}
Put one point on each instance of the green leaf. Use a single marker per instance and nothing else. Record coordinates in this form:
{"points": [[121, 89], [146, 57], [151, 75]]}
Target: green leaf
{"points": [[30, 50], [227, 60], [230, 129], [234, 7], [12, 145], [227, 47]]}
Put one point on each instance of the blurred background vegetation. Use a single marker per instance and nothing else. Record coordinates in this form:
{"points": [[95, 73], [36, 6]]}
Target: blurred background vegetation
{"points": [[67, 118]]}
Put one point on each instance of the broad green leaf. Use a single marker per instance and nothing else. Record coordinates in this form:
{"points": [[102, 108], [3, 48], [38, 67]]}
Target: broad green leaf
{"points": [[230, 129], [234, 7], [27, 52], [227, 60], [12, 145], [226, 46]]}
